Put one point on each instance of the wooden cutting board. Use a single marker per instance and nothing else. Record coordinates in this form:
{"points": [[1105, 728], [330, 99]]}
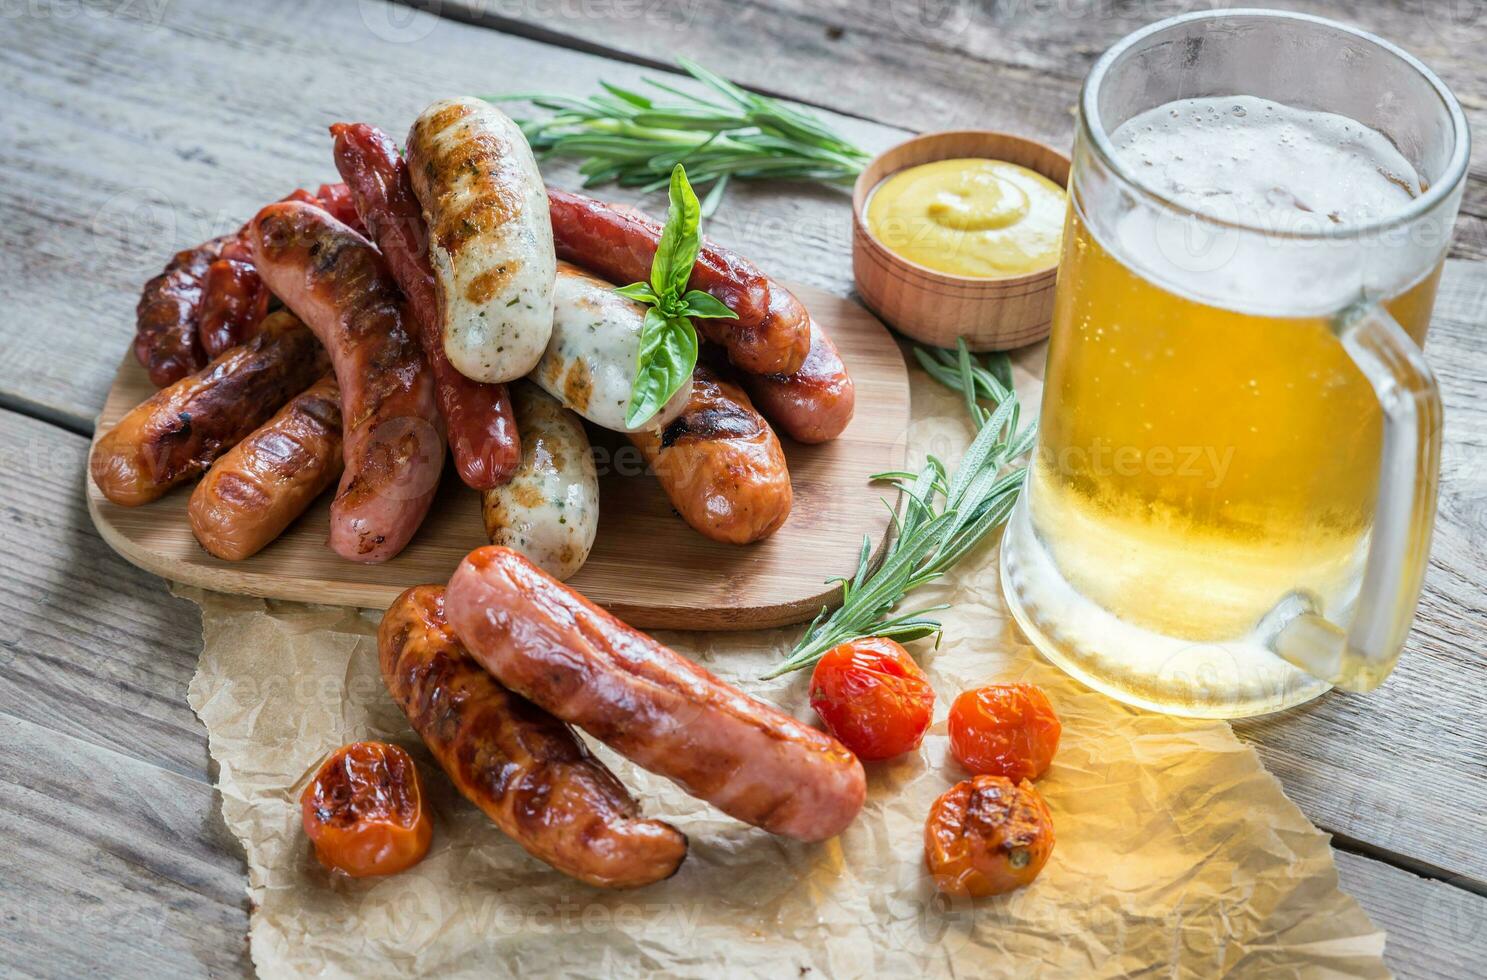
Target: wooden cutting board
{"points": [[647, 567]]}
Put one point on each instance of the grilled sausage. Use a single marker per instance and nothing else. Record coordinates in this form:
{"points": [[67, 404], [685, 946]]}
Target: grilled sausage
{"points": [[490, 239], [550, 509], [172, 335], [394, 443], [815, 403], [481, 429], [166, 339], [720, 463], [251, 494], [234, 302], [772, 332], [661, 711], [589, 364], [180, 430], [522, 767]]}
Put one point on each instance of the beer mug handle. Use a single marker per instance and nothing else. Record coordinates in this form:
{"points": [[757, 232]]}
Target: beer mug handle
{"points": [[1360, 657]]}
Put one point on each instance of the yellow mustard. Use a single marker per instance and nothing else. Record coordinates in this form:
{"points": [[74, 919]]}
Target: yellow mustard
{"points": [[984, 219]]}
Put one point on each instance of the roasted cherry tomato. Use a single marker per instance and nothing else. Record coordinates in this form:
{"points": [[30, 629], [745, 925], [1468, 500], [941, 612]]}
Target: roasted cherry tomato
{"points": [[873, 697], [365, 813], [987, 837], [1004, 730]]}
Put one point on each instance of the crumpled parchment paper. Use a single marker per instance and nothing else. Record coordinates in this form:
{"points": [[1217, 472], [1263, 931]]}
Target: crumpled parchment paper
{"points": [[1176, 854]]}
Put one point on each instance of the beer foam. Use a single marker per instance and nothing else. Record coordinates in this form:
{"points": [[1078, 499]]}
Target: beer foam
{"points": [[1263, 164], [1268, 173]]}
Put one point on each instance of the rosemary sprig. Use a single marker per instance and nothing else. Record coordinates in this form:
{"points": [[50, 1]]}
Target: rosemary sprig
{"points": [[944, 515], [635, 139]]}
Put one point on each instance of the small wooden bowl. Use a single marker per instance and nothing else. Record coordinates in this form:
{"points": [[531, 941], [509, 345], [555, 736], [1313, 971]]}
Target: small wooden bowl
{"points": [[936, 307]]}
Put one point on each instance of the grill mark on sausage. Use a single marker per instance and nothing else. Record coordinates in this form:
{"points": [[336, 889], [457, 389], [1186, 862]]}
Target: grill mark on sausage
{"points": [[713, 422]]}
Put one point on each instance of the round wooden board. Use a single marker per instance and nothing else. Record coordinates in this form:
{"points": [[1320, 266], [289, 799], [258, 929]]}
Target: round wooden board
{"points": [[647, 567]]}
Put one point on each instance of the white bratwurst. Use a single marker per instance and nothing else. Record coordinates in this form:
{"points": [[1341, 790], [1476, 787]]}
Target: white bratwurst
{"points": [[550, 509], [490, 237], [589, 365]]}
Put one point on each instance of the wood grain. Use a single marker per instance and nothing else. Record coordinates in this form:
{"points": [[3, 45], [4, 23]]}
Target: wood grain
{"points": [[116, 853], [937, 308], [647, 566], [151, 128], [1013, 65], [1435, 931], [133, 134]]}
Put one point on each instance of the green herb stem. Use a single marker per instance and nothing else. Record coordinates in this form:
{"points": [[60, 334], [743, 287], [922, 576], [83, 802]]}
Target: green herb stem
{"points": [[634, 140], [943, 516]]}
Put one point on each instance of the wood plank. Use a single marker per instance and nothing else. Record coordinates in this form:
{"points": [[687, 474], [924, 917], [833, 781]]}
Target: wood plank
{"points": [[129, 139], [647, 566], [962, 64], [1436, 931], [112, 864], [117, 852], [132, 858], [120, 118]]}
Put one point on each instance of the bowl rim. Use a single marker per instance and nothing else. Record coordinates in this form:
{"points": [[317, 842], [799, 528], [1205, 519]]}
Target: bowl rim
{"points": [[861, 193]]}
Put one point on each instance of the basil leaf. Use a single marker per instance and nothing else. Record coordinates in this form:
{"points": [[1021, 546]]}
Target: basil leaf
{"points": [[668, 355], [680, 239], [699, 303], [640, 292]]}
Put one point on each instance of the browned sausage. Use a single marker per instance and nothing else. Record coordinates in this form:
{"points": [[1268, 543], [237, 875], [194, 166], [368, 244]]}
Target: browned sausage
{"points": [[478, 417], [720, 463], [234, 302], [394, 440], [166, 340], [661, 711], [173, 336], [772, 332], [251, 494], [815, 403], [179, 431], [522, 767]]}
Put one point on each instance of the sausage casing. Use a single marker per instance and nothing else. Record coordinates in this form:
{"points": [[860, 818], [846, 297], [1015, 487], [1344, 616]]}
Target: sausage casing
{"points": [[490, 238], [182, 429], [551, 645], [772, 332], [522, 767], [589, 364], [251, 494], [234, 302], [720, 463], [393, 446], [481, 429], [813, 404], [166, 340], [550, 509]]}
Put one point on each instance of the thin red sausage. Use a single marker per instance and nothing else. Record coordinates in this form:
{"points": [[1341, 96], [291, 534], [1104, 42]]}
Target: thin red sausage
{"points": [[772, 332], [166, 342], [234, 302], [522, 767], [815, 403], [481, 427], [661, 711]]}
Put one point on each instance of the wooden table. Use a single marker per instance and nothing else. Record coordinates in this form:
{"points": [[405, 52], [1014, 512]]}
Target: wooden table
{"points": [[134, 128]]}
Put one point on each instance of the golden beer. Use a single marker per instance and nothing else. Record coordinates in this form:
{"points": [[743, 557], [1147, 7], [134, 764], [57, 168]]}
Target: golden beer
{"points": [[1197, 463], [1205, 495]]}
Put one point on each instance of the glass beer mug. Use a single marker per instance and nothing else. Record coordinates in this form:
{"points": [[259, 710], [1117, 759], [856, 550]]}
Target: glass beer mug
{"points": [[1230, 504]]}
